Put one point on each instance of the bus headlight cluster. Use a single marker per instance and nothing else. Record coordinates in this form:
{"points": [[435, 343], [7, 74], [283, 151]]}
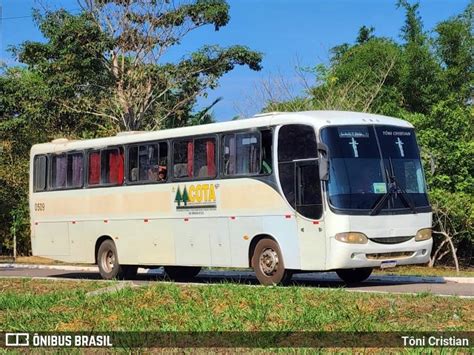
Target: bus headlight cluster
{"points": [[423, 234], [352, 237]]}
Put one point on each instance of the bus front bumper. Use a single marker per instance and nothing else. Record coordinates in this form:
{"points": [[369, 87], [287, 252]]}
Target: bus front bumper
{"points": [[349, 256]]}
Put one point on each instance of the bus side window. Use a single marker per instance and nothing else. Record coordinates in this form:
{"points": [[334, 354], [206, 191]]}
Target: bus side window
{"points": [[204, 158], [229, 154], [163, 162], [58, 171], [133, 164], [242, 154], [148, 162], [183, 159], [40, 173], [112, 166], [266, 152], [296, 141], [94, 168], [75, 170]]}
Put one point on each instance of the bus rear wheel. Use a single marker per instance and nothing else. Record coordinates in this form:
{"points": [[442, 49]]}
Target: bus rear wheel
{"points": [[182, 273], [352, 276], [267, 262], [108, 263]]}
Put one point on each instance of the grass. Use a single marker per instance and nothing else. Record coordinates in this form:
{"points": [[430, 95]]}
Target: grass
{"points": [[416, 270], [30, 260], [32, 305]]}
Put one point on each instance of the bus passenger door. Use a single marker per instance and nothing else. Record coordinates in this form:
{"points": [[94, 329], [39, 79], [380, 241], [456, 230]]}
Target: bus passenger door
{"points": [[310, 220]]}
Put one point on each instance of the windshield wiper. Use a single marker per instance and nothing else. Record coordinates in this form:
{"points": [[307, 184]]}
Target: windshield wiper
{"points": [[393, 189]]}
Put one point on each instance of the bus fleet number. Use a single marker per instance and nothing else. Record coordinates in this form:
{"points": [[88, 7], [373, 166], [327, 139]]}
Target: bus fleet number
{"points": [[39, 207]]}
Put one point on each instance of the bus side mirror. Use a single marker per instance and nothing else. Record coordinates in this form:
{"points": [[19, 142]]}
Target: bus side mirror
{"points": [[323, 161]]}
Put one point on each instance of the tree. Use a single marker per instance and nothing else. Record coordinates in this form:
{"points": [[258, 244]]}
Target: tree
{"points": [[453, 222], [421, 83], [112, 56], [365, 34], [17, 131], [455, 48], [364, 77]]}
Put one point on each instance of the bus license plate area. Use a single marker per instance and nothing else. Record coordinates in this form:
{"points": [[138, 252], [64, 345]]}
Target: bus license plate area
{"points": [[388, 264]]}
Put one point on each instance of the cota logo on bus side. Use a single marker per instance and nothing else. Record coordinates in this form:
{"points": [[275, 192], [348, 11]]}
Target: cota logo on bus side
{"points": [[195, 196]]}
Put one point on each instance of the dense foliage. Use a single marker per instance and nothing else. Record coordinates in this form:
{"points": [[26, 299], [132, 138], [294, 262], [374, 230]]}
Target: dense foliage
{"points": [[429, 81]]}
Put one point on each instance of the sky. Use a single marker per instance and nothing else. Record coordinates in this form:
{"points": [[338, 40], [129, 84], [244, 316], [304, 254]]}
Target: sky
{"points": [[289, 34]]}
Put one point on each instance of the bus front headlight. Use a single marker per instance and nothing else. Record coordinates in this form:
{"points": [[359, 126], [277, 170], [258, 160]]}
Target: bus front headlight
{"points": [[423, 234], [352, 238]]}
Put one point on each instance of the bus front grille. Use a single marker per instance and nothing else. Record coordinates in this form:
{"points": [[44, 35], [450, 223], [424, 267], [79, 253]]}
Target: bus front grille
{"points": [[391, 240], [393, 255]]}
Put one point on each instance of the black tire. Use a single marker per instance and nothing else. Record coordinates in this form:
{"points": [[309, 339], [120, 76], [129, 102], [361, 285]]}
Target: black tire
{"points": [[182, 273], [352, 276], [267, 262], [108, 263]]}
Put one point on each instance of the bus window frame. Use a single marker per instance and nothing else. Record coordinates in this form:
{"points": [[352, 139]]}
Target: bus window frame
{"points": [[252, 130], [50, 170], [88, 151], [193, 138], [46, 173], [127, 180]]}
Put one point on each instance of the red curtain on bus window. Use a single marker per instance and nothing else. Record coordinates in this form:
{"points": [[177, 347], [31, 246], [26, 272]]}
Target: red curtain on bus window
{"points": [[211, 162], [121, 168], [115, 167], [94, 168], [190, 159]]}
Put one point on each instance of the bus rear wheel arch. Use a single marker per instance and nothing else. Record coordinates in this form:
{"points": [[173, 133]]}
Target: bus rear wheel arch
{"points": [[268, 264], [108, 262]]}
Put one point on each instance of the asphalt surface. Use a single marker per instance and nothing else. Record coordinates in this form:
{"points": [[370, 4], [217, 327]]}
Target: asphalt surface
{"points": [[376, 283]]}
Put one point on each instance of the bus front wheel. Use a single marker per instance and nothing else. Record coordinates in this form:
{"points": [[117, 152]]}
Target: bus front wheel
{"points": [[108, 263], [351, 276], [267, 262]]}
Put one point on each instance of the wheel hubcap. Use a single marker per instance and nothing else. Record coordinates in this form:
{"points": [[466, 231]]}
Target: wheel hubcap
{"points": [[269, 261], [108, 261]]}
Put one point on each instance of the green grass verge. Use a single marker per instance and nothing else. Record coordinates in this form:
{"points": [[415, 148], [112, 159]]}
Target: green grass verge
{"points": [[415, 270], [32, 305]]}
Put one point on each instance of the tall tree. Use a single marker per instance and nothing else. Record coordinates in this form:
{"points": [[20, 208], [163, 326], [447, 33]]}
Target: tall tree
{"points": [[455, 48], [421, 82], [125, 42]]}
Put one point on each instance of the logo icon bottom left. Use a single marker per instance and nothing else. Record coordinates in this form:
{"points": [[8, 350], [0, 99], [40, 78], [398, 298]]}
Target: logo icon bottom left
{"points": [[17, 339]]}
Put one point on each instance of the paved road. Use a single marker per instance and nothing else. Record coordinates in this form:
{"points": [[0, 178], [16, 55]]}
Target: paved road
{"points": [[376, 283]]}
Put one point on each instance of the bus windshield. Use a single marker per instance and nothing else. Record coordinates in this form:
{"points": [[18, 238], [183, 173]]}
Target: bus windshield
{"points": [[367, 161]]}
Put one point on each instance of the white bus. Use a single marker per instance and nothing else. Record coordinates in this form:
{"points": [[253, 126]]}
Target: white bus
{"points": [[280, 193]]}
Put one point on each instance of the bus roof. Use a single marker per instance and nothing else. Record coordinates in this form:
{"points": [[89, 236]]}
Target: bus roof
{"points": [[318, 119]]}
